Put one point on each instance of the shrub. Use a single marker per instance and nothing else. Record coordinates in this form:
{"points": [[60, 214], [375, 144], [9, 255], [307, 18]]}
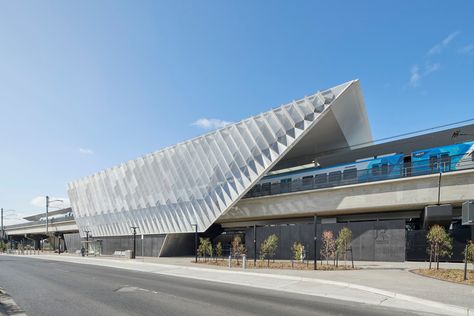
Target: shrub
{"points": [[268, 248], [329, 245], [440, 243], [343, 242]]}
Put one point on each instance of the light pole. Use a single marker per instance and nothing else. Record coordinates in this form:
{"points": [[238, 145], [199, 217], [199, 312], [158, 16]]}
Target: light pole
{"points": [[195, 243], [87, 241], [254, 245], [2, 217], [3, 233], [315, 242], [134, 240]]}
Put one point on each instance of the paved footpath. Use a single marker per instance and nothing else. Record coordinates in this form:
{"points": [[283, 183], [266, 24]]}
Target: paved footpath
{"points": [[389, 285]]}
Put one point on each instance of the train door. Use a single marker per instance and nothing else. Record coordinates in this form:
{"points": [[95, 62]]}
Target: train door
{"points": [[434, 163], [406, 166], [444, 162]]}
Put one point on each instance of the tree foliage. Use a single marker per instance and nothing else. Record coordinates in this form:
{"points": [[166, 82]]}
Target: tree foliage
{"points": [[343, 241], [470, 252], [219, 249], [329, 245], [440, 243], [268, 248], [238, 249], [297, 250], [205, 247]]}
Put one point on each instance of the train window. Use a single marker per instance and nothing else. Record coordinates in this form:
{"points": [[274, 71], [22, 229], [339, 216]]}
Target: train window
{"points": [[285, 185], [472, 156], [266, 187], [308, 180], [321, 178], [375, 169], [335, 176], [256, 189], [384, 168], [350, 174]]}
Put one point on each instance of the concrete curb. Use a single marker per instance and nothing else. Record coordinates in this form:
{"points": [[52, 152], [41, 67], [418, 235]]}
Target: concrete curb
{"points": [[8, 305], [443, 308]]}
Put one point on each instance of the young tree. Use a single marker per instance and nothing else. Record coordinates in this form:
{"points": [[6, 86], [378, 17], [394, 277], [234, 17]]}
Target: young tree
{"points": [[238, 249], [440, 243], [268, 248], [470, 252], [297, 250], [343, 242], [204, 245], [329, 245], [219, 249]]}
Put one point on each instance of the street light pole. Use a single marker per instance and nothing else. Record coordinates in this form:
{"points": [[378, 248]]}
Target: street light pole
{"points": [[47, 210], [134, 240], [87, 241], [195, 243], [315, 242], [254, 245], [3, 233]]}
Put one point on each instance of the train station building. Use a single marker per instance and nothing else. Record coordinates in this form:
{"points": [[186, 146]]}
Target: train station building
{"points": [[307, 166]]}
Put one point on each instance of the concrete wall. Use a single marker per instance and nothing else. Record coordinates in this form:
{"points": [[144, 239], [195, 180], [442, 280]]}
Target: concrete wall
{"points": [[374, 241], [150, 246]]}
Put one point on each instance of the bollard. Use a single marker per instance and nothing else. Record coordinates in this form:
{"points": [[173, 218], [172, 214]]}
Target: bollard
{"points": [[244, 262], [230, 261]]}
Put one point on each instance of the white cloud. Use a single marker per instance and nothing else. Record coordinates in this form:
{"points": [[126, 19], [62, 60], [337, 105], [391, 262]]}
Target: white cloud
{"points": [[86, 151], [40, 202], [417, 73], [415, 76], [468, 49], [210, 124], [438, 48]]}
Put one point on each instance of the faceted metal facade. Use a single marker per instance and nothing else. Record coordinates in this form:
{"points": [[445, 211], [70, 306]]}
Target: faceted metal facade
{"points": [[196, 181]]}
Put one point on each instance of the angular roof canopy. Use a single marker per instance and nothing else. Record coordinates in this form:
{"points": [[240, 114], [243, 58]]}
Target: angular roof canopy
{"points": [[197, 181]]}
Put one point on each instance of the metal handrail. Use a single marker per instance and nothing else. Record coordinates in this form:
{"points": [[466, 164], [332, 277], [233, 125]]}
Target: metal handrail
{"points": [[417, 168]]}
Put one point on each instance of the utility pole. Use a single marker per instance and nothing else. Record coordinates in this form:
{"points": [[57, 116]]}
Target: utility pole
{"points": [[47, 210], [315, 242], [195, 243], [3, 232], [134, 240], [47, 206], [87, 241], [254, 245]]}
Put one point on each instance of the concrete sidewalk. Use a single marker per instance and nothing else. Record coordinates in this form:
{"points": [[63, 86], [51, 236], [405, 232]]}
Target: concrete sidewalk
{"points": [[353, 286]]}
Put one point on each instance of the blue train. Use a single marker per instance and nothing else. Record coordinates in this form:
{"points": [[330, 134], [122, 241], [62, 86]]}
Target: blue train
{"points": [[427, 161]]}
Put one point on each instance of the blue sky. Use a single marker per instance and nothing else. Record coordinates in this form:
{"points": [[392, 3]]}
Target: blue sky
{"points": [[85, 85]]}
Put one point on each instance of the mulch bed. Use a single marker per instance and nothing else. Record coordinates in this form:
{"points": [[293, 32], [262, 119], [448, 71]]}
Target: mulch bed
{"points": [[296, 265], [450, 275]]}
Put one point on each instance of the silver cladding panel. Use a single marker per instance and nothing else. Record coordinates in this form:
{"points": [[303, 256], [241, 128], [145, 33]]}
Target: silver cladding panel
{"points": [[196, 181]]}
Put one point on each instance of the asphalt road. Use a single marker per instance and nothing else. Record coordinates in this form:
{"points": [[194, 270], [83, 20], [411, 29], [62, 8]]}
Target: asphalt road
{"points": [[44, 287]]}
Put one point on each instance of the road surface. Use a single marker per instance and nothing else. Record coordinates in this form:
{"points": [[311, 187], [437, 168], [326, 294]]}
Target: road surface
{"points": [[43, 287]]}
